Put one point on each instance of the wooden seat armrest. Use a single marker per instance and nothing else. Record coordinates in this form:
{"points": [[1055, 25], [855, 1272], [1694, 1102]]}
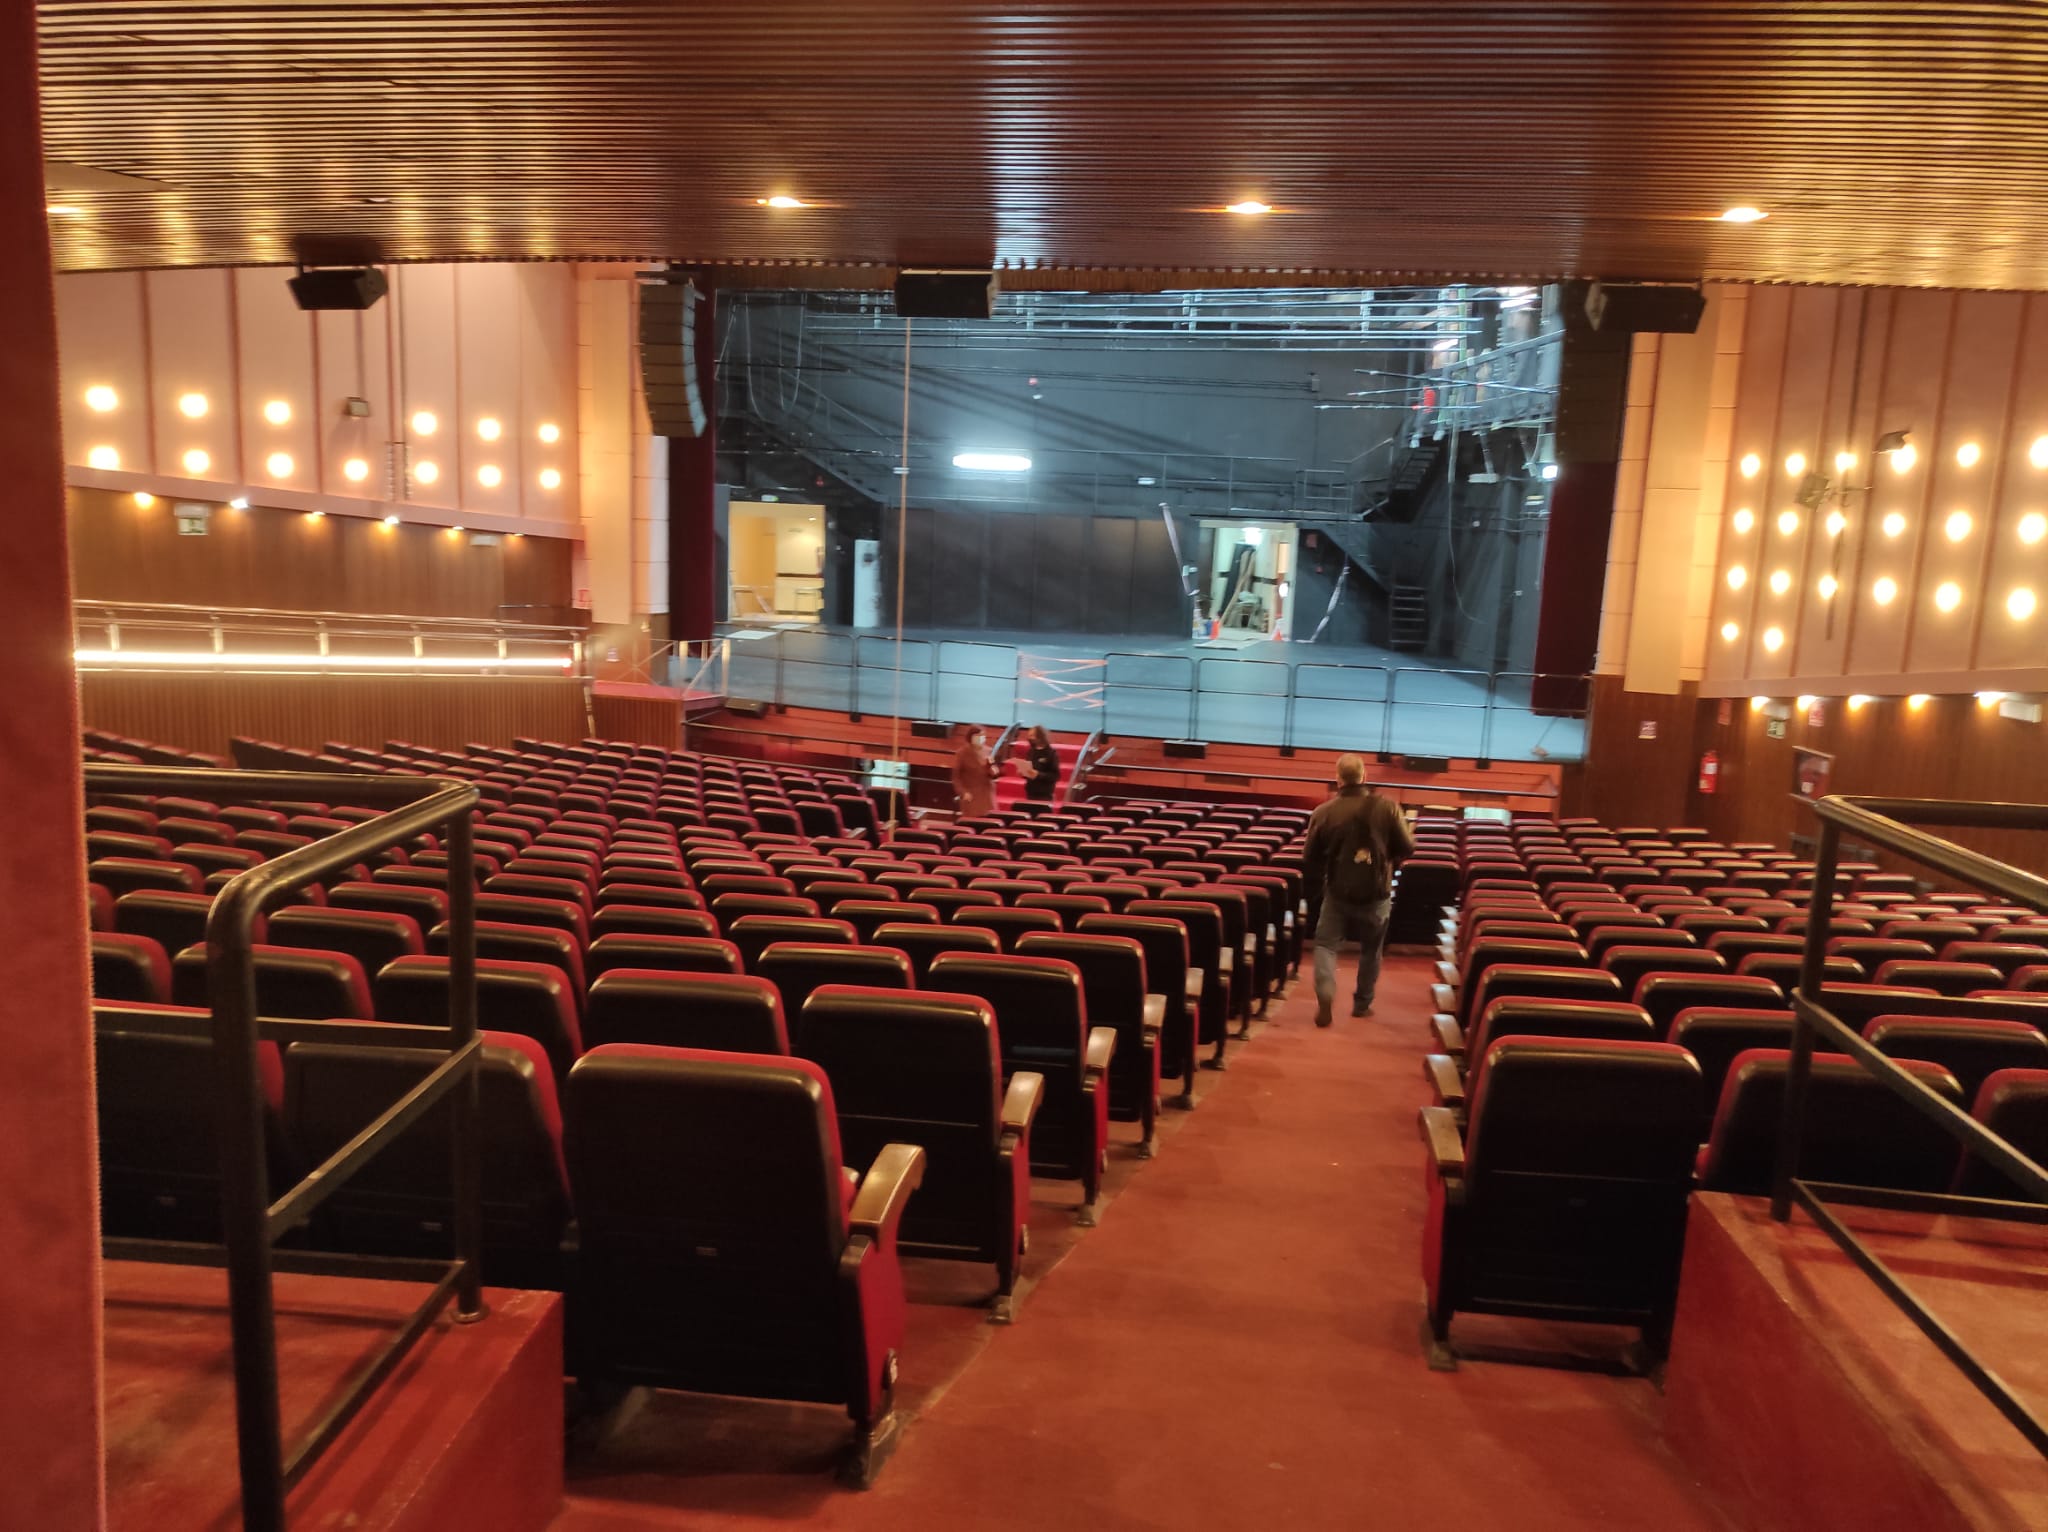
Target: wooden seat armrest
{"points": [[1446, 1148], [1101, 1049], [1447, 973], [1198, 983], [1226, 960], [1020, 1104], [1441, 1070], [1449, 1035], [885, 1191], [1155, 1017]]}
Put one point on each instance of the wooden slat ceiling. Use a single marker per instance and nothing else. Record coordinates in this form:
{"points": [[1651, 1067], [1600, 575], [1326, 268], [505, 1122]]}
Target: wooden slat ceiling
{"points": [[1087, 143]]}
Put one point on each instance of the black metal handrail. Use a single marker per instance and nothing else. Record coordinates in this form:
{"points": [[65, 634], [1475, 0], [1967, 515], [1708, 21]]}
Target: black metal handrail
{"points": [[251, 1222], [1881, 823]]}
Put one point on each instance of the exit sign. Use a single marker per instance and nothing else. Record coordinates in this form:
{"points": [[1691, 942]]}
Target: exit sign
{"points": [[192, 519]]}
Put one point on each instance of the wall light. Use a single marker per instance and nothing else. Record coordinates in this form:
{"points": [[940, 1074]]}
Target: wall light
{"points": [[197, 460], [209, 659], [239, 503], [1885, 591], [1750, 464], [549, 432], [1827, 587], [1774, 639], [1990, 699], [355, 470], [101, 398], [1788, 522], [489, 429], [2020, 604], [103, 457], [1795, 464], [1844, 461], [1730, 632], [1549, 471], [391, 521], [1968, 453], [1903, 458], [550, 478], [2033, 527], [1806, 700], [1948, 595], [781, 200], [315, 515], [1745, 519], [1837, 523], [489, 476], [144, 499], [1737, 577], [1744, 214], [1957, 526], [279, 464], [1894, 524], [1857, 700], [1918, 701], [2037, 454], [277, 412], [425, 473], [1758, 704], [1250, 207], [192, 406], [992, 462], [424, 423], [1781, 581]]}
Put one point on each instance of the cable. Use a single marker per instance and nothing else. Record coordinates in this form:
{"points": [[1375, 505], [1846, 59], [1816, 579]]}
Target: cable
{"points": [[902, 548]]}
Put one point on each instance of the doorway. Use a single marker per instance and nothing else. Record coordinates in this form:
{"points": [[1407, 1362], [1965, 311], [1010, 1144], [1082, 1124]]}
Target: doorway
{"points": [[1248, 589], [775, 561]]}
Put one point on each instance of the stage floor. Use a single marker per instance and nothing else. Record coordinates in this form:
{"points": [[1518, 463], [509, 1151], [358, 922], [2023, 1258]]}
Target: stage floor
{"points": [[1238, 690]]}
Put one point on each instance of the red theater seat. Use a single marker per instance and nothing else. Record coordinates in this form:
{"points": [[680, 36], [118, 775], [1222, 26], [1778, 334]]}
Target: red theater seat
{"points": [[729, 1013], [531, 999]]}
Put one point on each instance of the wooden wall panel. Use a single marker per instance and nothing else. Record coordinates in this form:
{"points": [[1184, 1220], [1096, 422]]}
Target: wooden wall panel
{"points": [[1625, 778], [287, 561], [202, 712], [645, 715]]}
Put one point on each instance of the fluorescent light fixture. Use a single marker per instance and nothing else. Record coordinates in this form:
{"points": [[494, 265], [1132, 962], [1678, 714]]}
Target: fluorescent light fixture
{"points": [[1550, 470], [1252, 536], [992, 462], [210, 660], [1250, 207], [1146, 481], [1744, 214]]}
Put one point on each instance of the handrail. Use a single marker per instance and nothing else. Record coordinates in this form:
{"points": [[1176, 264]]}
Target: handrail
{"points": [[1879, 821], [1199, 769], [251, 1222]]}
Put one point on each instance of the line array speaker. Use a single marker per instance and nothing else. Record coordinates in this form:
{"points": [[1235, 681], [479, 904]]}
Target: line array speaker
{"points": [[354, 288], [1662, 308], [668, 356]]}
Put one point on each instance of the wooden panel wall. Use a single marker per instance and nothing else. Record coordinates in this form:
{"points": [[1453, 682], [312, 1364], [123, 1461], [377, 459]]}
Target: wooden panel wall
{"points": [[1629, 780], [202, 712], [286, 560], [645, 715]]}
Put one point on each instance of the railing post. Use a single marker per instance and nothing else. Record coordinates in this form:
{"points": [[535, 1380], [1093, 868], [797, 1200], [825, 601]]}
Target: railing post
{"points": [[245, 1198], [853, 677], [1287, 720], [1387, 712], [778, 668], [466, 1103], [1486, 723], [1819, 918], [1194, 698]]}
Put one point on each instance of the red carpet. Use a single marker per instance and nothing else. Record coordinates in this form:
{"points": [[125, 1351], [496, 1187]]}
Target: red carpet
{"points": [[1235, 1346]]}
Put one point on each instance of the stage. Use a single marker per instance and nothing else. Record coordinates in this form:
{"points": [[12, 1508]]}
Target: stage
{"points": [[1807, 1401]]}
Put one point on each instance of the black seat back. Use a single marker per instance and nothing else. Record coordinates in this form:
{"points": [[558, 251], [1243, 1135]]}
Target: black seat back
{"points": [[1856, 1131], [726, 1013]]}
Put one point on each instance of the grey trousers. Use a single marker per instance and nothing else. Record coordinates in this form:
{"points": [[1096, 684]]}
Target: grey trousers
{"points": [[1367, 922]]}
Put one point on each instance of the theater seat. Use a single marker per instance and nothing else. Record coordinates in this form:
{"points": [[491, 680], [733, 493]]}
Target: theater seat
{"points": [[1042, 1025], [673, 954], [922, 943], [951, 1102], [1566, 1197], [1856, 1131], [1664, 995], [372, 937], [531, 999], [755, 934], [521, 944], [1717, 1035], [129, 967], [1972, 1051], [290, 982], [123, 875], [651, 920], [1942, 978], [728, 1013], [2012, 1103], [798, 968], [716, 1249], [400, 1201], [1009, 923], [1114, 984], [1455, 1075]]}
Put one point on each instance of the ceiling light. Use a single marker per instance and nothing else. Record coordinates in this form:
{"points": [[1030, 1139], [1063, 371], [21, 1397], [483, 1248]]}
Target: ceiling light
{"points": [[1745, 519], [1744, 214], [1990, 699], [1827, 587], [1145, 481], [355, 470], [1249, 208], [489, 476], [277, 412], [1781, 581], [279, 464], [1894, 524], [1737, 575], [549, 432], [489, 428], [2037, 454], [239, 503], [1774, 639], [550, 478], [424, 423], [1857, 700], [101, 398], [1885, 590], [1918, 701], [144, 499], [103, 457], [391, 521], [2020, 604], [453, 533], [425, 473], [1788, 522], [197, 460], [1948, 595], [1903, 458], [992, 462], [192, 406], [1795, 464], [780, 199], [61, 210], [1750, 464], [2033, 527], [1844, 461], [1957, 526], [1730, 632], [1837, 523], [1968, 453]]}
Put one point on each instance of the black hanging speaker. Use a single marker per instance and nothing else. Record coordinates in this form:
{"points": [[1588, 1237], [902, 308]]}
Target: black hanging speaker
{"points": [[946, 294], [1652, 307], [337, 288], [668, 356]]}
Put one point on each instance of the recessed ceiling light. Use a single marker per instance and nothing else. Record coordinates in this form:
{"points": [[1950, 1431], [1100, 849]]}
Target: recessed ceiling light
{"points": [[780, 200], [549, 433], [192, 406], [101, 398], [1737, 576], [355, 470], [1745, 519], [1774, 639], [550, 478], [1788, 522], [1844, 461], [1827, 587], [1857, 700], [1836, 523], [198, 460], [1806, 700], [279, 464], [1781, 581], [1990, 699], [103, 457], [1251, 207], [1948, 595], [315, 515], [1885, 590], [1744, 214], [489, 476], [1918, 701], [1903, 458], [1795, 464], [239, 503], [277, 412], [2020, 604], [1758, 704], [390, 521], [426, 473], [1731, 631], [1750, 464], [1957, 526], [1550, 471], [1968, 453], [2037, 454], [424, 423], [1894, 524], [2033, 527], [489, 429]]}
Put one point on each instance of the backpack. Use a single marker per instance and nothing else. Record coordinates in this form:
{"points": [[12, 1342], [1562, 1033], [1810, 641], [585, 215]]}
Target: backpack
{"points": [[1359, 871]]}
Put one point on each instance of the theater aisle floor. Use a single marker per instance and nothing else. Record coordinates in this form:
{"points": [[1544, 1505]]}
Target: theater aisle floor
{"points": [[1236, 1346]]}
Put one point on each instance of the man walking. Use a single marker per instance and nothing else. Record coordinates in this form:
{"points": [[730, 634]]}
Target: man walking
{"points": [[1355, 841]]}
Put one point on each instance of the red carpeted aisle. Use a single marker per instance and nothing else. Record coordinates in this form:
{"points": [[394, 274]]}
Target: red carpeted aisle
{"points": [[1236, 1346]]}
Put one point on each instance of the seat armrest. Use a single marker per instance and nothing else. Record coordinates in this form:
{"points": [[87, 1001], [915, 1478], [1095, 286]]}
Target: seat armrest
{"points": [[1198, 983], [885, 1191], [1441, 1070], [1020, 1104], [1226, 960], [1101, 1048], [1251, 944], [1449, 1035], [1443, 997], [1155, 1017], [1446, 1150], [1447, 973]]}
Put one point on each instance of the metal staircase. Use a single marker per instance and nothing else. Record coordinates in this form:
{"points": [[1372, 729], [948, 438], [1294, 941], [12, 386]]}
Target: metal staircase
{"points": [[1408, 618]]}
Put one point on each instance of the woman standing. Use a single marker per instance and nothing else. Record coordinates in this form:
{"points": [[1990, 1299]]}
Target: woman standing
{"points": [[1041, 766], [974, 773]]}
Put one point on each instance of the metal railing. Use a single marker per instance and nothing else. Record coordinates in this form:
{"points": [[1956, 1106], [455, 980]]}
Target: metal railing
{"points": [[1416, 710], [252, 1221], [1882, 822]]}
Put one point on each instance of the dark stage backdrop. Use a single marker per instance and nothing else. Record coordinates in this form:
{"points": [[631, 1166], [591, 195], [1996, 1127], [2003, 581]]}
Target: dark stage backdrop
{"points": [[1035, 572]]}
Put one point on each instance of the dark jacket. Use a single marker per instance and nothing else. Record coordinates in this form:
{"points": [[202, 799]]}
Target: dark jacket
{"points": [[1355, 841], [1045, 778]]}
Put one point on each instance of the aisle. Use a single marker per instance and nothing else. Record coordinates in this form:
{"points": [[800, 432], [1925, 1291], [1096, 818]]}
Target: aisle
{"points": [[1237, 1347]]}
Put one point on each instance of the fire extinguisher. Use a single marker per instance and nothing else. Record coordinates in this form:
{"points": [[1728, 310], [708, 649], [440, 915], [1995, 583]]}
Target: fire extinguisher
{"points": [[1710, 771]]}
